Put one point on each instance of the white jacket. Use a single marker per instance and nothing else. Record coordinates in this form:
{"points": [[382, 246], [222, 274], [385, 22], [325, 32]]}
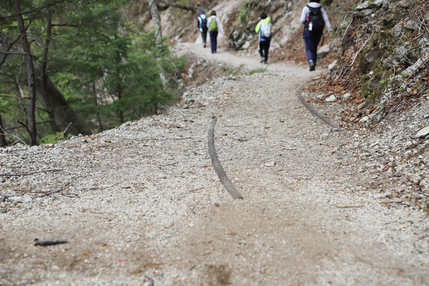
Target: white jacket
{"points": [[306, 12], [218, 22]]}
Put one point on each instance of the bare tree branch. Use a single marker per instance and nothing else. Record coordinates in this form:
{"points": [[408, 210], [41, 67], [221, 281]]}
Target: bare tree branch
{"points": [[11, 135], [19, 132], [64, 25], [13, 53], [11, 96]]}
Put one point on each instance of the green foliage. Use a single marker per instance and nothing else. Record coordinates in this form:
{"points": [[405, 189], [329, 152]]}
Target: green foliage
{"points": [[54, 138], [260, 70], [327, 2], [107, 68], [115, 77], [244, 13]]}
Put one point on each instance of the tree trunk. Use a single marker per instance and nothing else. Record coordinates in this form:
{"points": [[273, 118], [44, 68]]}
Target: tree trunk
{"points": [[31, 106], [156, 19], [52, 99], [2, 137], [43, 75], [100, 122]]}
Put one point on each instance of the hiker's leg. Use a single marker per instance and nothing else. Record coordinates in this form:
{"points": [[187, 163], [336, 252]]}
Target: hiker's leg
{"points": [[215, 41], [204, 37], [309, 46], [261, 48], [267, 49], [212, 41], [316, 41]]}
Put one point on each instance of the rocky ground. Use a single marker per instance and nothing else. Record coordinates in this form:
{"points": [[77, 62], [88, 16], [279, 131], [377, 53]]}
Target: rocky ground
{"points": [[142, 203], [397, 147]]}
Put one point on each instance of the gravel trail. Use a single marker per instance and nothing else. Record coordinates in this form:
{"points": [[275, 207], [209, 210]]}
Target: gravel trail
{"points": [[142, 202]]}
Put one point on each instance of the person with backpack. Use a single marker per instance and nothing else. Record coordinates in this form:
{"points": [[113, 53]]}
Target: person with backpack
{"points": [[264, 29], [202, 25], [214, 25], [315, 19]]}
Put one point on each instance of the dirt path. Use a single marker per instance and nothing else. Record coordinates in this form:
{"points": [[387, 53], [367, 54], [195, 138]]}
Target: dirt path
{"points": [[143, 202], [224, 56]]}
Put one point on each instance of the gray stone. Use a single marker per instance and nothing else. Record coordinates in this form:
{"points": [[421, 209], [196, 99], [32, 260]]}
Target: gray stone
{"points": [[400, 53], [332, 65], [411, 25], [16, 199], [425, 183], [365, 13], [331, 98], [368, 4], [405, 3], [246, 45], [386, 4], [323, 51], [371, 56], [361, 106], [397, 31], [364, 119], [347, 95], [423, 133]]}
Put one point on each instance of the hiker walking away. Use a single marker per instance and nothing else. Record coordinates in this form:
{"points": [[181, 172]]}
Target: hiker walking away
{"points": [[202, 25], [214, 26], [314, 18], [264, 29]]}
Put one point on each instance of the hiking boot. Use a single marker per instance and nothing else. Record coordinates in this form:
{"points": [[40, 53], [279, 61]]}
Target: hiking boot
{"points": [[265, 62], [312, 66], [262, 59], [205, 45]]}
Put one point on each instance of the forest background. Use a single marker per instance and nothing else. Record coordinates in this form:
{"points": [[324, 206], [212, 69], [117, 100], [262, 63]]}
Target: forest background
{"points": [[70, 67]]}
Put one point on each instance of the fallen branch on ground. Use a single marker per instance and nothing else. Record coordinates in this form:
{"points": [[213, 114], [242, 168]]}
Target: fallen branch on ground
{"points": [[47, 242]]}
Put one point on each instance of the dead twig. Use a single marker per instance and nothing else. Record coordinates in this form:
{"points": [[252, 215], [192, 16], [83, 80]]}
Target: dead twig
{"points": [[50, 193], [64, 132], [348, 207], [363, 46], [175, 163], [192, 209], [7, 134], [151, 280], [259, 208], [345, 33]]}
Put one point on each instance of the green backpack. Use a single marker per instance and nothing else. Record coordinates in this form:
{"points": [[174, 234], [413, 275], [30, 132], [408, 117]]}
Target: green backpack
{"points": [[213, 25]]}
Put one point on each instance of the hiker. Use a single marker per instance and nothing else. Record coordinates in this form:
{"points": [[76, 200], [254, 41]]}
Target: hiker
{"points": [[202, 25], [314, 18], [264, 29], [214, 25]]}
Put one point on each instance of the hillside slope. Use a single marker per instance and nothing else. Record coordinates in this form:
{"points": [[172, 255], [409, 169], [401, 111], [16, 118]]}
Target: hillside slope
{"points": [[380, 85]]}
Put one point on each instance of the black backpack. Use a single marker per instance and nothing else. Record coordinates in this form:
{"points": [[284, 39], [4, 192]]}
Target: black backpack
{"points": [[203, 24], [316, 23]]}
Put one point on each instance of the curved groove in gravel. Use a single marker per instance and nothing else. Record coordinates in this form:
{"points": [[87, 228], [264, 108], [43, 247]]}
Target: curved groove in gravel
{"points": [[314, 111], [218, 167]]}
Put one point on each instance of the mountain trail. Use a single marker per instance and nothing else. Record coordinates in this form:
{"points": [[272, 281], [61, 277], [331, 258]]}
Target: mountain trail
{"points": [[223, 56], [142, 202]]}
